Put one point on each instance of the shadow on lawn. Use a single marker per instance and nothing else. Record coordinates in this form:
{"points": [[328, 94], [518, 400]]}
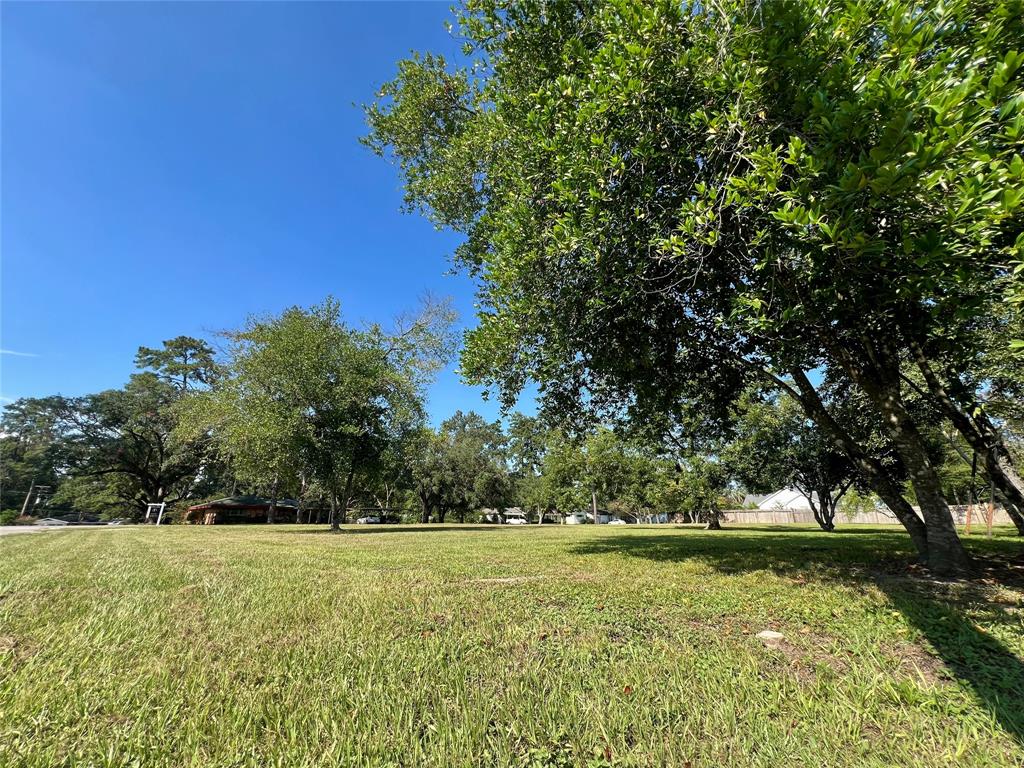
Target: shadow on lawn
{"points": [[941, 611], [349, 530]]}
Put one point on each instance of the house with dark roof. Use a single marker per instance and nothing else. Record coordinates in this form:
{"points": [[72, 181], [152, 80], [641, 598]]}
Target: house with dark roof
{"points": [[241, 509]]}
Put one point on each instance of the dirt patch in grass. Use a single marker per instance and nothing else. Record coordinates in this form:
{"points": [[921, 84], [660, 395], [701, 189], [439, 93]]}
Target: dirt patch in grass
{"points": [[19, 651], [916, 662], [802, 664], [814, 651], [805, 657], [506, 579]]}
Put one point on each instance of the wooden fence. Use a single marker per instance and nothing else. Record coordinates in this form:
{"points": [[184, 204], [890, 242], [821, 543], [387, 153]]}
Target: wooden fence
{"points": [[874, 517]]}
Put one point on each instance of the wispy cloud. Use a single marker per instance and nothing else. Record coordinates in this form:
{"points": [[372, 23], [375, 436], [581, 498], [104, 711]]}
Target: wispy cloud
{"points": [[17, 354]]}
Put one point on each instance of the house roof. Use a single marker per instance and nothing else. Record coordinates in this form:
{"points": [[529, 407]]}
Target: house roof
{"points": [[785, 498], [241, 502]]}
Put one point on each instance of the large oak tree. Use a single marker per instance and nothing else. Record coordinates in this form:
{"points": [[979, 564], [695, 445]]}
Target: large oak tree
{"points": [[665, 202]]}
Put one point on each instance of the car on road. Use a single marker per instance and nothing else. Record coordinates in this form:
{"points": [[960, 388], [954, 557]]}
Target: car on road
{"points": [[50, 521], [369, 520]]}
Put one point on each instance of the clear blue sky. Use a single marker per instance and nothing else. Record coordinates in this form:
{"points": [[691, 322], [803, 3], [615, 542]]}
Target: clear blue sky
{"points": [[170, 168]]}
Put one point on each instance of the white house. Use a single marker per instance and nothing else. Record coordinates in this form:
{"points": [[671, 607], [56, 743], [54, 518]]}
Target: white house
{"points": [[785, 498]]}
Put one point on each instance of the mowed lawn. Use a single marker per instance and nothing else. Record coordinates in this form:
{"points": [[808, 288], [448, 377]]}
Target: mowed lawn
{"points": [[460, 646]]}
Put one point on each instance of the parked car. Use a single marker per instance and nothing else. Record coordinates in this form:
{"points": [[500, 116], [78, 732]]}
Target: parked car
{"points": [[516, 520], [369, 520], [576, 518], [603, 518], [617, 521]]}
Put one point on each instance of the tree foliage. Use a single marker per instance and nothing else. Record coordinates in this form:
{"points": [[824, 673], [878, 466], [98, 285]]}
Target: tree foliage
{"points": [[666, 202], [304, 396]]}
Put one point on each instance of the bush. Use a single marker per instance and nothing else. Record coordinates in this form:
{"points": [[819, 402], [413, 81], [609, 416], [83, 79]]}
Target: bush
{"points": [[7, 516]]}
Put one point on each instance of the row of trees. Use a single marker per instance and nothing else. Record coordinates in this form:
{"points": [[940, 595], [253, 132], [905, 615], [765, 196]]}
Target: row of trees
{"points": [[668, 205], [298, 405], [303, 406]]}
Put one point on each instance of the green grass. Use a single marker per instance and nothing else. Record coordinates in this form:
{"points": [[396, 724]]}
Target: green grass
{"points": [[459, 646]]}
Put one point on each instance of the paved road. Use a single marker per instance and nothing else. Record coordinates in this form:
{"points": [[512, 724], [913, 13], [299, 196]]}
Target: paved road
{"points": [[11, 530]]}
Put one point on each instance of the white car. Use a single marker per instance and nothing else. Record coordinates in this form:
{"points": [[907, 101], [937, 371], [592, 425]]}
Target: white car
{"points": [[516, 521], [617, 521], [370, 520], [48, 521]]}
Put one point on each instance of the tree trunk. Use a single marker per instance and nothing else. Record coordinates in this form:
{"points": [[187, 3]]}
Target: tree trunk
{"points": [[825, 509], [335, 525], [982, 435], [272, 509], [348, 489], [1015, 513], [946, 554], [1001, 472], [302, 496], [877, 373], [870, 469]]}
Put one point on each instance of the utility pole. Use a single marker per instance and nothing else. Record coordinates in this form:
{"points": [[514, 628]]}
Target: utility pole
{"points": [[24, 507]]}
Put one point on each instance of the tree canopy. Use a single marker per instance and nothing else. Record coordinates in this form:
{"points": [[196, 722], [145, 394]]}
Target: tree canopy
{"points": [[668, 203], [303, 396]]}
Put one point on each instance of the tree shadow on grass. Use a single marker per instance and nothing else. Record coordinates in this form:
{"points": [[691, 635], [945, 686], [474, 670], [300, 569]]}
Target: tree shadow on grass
{"points": [[349, 530], [841, 530], [944, 612]]}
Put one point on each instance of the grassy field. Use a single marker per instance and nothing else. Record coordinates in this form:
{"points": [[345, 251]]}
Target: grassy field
{"points": [[460, 646]]}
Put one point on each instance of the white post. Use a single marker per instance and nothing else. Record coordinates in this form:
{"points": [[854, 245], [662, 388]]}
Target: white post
{"points": [[160, 514]]}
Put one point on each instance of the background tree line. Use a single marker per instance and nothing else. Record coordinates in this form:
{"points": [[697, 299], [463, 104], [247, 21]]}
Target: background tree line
{"points": [[305, 407]]}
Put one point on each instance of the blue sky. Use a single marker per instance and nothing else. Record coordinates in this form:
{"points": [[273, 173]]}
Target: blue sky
{"points": [[170, 168]]}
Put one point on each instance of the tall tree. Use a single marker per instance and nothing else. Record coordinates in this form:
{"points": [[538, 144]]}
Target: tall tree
{"points": [[775, 446], [129, 435], [305, 397], [184, 361], [462, 468], [116, 451], [32, 448], [666, 202], [528, 439]]}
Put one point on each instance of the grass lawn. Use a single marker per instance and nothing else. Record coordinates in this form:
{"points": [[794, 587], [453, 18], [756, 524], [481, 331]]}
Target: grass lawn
{"points": [[459, 646]]}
